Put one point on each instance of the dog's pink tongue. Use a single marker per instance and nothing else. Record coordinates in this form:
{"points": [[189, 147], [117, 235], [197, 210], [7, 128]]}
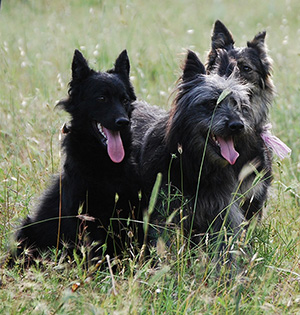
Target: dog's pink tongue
{"points": [[227, 149], [114, 145]]}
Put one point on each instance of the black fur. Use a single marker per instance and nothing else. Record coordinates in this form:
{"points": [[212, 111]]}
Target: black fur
{"points": [[205, 179], [251, 64], [91, 177]]}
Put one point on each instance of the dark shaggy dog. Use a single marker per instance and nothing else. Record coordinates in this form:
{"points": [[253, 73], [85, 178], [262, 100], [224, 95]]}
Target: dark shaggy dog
{"points": [[211, 129], [97, 179], [251, 64]]}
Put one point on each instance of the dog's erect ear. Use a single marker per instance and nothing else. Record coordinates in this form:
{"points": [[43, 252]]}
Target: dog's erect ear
{"points": [[221, 37], [122, 69], [192, 67], [80, 67], [258, 42], [80, 71], [122, 65]]}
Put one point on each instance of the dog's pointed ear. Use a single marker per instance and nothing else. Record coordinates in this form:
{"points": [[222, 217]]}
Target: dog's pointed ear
{"points": [[80, 67], [221, 37], [122, 65], [192, 67], [122, 68], [258, 42]]}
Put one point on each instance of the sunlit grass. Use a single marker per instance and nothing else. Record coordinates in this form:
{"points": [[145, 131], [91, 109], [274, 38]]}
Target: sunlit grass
{"points": [[37, 40]]}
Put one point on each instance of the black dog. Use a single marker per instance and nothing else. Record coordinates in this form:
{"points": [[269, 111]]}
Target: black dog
{"points": [[96, 192], [200, 147], [251, 64]]}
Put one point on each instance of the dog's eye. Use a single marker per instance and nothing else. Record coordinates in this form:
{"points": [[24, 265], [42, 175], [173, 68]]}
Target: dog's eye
{"points": [[209, 104], [234, 103], [213, 104], [246, 68], [245, 110], [102, 99]]}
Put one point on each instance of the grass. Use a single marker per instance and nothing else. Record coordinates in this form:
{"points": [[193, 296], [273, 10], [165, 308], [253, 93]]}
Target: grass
{"points": [[37, 40]]}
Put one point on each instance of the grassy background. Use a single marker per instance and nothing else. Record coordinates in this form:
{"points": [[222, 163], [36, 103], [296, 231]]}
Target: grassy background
{"points": [[37, 41]]}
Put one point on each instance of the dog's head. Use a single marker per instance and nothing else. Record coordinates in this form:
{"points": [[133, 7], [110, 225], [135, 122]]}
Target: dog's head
{"points": [[251, 63], [100, 103], [211, 113]]}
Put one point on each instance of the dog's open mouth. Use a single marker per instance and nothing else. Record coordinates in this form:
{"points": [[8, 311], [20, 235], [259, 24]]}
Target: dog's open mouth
{"points": [[112, 140], [226, 146]]}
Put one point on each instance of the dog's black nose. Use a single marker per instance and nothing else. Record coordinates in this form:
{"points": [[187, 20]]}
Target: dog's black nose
{"points": [[122, 122], [236, 126]]}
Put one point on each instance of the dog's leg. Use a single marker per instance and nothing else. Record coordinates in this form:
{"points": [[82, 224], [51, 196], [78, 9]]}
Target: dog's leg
{"points": [[227, 228], [254, 200]]}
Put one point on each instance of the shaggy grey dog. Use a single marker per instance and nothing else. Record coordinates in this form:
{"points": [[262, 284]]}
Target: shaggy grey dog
{"points": [[201, 147]]}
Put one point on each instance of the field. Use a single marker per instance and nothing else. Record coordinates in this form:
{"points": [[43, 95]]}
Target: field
{"points": [[37, 41]]}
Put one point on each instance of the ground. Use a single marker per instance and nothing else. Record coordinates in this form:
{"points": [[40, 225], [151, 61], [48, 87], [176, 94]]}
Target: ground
{"points": [[37, 42]]}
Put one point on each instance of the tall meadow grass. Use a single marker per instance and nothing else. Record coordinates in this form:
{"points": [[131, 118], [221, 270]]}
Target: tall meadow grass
{"points": [[37, 41]]}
